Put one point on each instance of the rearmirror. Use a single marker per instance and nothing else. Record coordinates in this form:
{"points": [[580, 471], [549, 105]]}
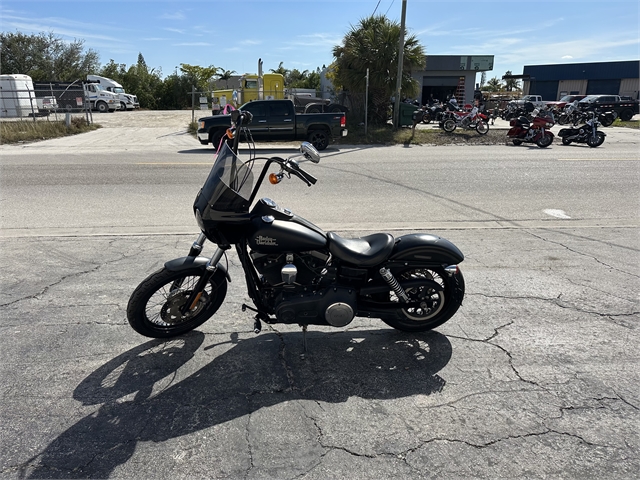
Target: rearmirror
{"points": [[310, 152]]}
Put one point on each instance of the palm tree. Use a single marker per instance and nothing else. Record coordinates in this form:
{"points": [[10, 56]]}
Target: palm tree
{"points": [[226, 75], [373, 44]]}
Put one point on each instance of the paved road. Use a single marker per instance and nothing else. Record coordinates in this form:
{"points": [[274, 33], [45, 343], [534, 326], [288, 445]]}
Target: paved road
{"points": [[535, 376]]}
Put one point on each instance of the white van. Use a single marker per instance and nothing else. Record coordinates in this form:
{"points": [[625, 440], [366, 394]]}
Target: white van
{"points": [[127, 101], [17, 98]]}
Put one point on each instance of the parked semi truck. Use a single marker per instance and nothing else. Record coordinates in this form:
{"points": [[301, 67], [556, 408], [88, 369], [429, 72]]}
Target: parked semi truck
{"points": [[79, 95], [127, 100]]}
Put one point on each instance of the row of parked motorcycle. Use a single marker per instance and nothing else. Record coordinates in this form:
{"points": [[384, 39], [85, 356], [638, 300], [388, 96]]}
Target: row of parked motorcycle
{"points": [[528, 123], [450, 117]]}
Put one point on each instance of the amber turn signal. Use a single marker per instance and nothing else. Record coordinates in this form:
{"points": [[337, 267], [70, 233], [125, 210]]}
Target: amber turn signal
{"points": [[230, 133], [274, 178]]}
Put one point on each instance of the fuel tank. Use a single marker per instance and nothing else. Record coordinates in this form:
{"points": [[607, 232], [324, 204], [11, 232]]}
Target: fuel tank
{"points": [[272, 236]]}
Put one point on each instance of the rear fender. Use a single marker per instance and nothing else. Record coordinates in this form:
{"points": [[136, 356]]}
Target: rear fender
{"points": [[186, 263], [425, 249]]}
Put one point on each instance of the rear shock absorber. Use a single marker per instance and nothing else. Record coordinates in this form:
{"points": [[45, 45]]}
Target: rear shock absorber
{"points": [[393, 283]]}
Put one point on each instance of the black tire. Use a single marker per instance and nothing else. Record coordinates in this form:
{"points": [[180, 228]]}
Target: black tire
{"points": [[566, 141], [426, 118], [606, 120], [102, 107], [517, 142], [335, 109], [449, 125], [597, 141], [545, 140], [482, 127], [153, 309], [441, 296], [626, 115], [313, 109], [563, 120], [123, 106], [215, 137], [319, 139]]}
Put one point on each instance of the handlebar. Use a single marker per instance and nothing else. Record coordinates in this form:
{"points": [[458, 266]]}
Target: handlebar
{"points": [[294, 168]]}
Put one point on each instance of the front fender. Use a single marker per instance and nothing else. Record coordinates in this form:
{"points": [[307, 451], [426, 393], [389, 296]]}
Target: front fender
{"points": [[425, 248], [186, 263]]}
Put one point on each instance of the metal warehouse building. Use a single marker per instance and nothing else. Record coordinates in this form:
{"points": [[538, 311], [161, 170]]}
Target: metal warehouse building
{"points": [[554, 81]]}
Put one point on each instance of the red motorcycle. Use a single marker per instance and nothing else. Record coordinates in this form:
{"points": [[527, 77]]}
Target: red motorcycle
{"points": [[467, 119], [536, 131]]}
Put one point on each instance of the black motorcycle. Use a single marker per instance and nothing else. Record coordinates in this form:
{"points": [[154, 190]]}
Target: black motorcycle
{"points": [[587, 133], [295, 272]]}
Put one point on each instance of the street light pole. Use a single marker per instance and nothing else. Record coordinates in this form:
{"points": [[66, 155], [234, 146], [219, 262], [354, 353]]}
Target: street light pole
{"points": [[396, 108]]}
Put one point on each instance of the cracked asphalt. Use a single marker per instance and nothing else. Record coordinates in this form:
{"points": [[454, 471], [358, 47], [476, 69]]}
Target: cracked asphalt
{"points": [[536, 376]]}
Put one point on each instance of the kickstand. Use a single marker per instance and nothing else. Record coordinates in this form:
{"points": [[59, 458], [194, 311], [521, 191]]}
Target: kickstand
{"points": [[304, 341]]}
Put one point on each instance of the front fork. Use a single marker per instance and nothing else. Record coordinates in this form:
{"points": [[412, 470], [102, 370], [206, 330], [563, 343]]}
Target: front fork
{"points": [[210, 269]]}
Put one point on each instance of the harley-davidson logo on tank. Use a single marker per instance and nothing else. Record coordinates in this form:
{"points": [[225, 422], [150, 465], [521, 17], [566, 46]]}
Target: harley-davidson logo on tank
{"points": [[260, 240]]}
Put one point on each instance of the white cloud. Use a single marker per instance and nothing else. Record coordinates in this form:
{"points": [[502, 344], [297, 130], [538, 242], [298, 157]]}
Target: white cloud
{"points": [[567, 57], [179, 15]]}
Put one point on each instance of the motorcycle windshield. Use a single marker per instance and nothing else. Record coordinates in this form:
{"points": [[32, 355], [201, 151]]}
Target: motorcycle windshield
{"points": [[229, 184]]}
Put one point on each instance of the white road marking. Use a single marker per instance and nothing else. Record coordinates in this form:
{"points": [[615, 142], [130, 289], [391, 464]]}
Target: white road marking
{"points": [[557, 213]]}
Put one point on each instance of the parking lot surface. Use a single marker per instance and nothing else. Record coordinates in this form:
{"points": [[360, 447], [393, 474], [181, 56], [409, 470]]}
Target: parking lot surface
{"points": [[536, 376]]}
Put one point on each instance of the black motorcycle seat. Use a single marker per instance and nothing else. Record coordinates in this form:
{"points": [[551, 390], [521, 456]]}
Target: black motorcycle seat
{"points": [[364, 251], [524, 121]]}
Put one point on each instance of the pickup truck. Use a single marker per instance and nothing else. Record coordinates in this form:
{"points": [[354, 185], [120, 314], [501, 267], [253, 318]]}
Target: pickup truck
{"points": [[277, 120], [625, 108], [560, 104], [535, 99]]}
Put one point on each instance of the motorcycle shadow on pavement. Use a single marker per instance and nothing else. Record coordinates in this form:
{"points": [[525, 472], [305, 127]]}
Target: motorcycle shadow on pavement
{"points": [[244, 376]]}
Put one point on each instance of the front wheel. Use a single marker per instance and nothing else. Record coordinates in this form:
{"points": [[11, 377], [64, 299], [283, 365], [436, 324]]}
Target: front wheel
{"points": [[102, 107], [595, 141], [566, 141], [154, 309], [516, 142], [545, 140], [482, 127], [439, 296], [449, 126], [426, 118]]}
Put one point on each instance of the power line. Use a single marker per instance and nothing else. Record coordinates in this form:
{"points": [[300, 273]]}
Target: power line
{"points": [[375, 9], [385, 14]]}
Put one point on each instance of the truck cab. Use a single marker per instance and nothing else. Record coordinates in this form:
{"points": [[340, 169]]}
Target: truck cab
{"points": [[127, 100]]}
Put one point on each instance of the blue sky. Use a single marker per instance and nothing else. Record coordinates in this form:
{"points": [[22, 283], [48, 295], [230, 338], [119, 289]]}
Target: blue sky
{"points": [[233, 34]]}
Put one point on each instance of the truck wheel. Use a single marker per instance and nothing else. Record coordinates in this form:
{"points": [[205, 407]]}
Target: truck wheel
{"points": [[626, 115], [314, 109], [123, 106], [319, 139], [102, 107], [215, 137]]}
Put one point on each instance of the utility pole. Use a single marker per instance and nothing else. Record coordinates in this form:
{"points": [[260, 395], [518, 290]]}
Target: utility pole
{"points": [[396, 108]]}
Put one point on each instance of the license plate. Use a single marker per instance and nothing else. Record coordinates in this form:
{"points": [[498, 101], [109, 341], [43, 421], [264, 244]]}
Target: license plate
{"points": [[344, 132]]}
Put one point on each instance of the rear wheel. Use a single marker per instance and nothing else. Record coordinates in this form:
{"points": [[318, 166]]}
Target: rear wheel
{"points": [[319, 139], [154, 309], [440, 296], [449, 125], [517, 142], [626, 115], [566, 141], [606, 120], [426, 118]]}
